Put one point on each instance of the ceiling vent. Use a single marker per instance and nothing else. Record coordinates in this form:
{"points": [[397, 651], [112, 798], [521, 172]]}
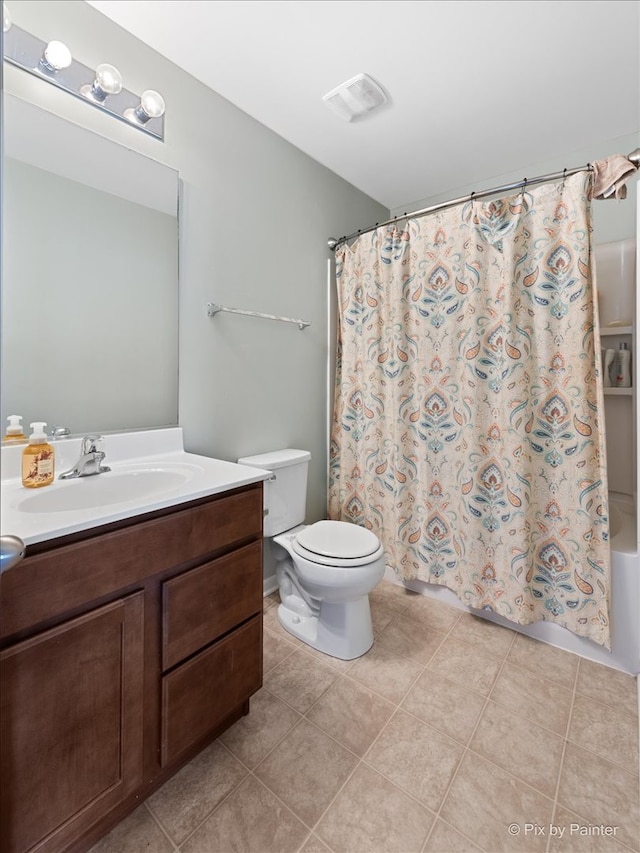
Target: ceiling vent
{"points": [[355, 98]]}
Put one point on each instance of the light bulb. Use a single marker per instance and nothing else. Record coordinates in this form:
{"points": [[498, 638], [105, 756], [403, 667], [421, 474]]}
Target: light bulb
{"points": [[152, 103], [56, 56], [151, 106], [6, 18], [108, 79], [108, 82]]}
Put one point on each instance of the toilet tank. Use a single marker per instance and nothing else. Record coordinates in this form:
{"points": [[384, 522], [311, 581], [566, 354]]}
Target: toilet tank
{"points": [[285, 496]]}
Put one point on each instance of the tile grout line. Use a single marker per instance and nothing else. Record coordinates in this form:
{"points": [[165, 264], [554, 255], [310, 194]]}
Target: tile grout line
{"points": [[160, 826], [327, 734], [360, 759], [565, 744], [565, 740], [210, 813], [398, 707], [286, 657], [424, 667], [467, 749], [606, 705], [249, 772], [346, 674]]}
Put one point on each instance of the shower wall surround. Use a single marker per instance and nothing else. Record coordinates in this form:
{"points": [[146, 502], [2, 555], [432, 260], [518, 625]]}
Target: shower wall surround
{"points": [[616, 283]]}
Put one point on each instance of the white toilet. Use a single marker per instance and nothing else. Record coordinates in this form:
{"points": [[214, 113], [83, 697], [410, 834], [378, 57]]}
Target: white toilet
{"points": [[325, 570]]}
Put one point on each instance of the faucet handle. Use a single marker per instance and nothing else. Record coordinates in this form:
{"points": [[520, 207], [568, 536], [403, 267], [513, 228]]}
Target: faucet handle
{"points": [[59, 431], [90, 443]]}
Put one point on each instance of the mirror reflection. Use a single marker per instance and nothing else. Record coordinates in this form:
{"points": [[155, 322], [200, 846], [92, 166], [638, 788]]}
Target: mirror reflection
{"points": [[90, 279]]}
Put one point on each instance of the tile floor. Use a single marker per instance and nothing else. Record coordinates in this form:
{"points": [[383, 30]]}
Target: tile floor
{"points": [[450, 735]]}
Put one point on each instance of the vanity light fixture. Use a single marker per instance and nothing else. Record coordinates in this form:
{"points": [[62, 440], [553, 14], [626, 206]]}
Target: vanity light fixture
{"points": [[52, 61]]}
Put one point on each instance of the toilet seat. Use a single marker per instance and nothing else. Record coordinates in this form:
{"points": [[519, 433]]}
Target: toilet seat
{"points": [[337, 543]]}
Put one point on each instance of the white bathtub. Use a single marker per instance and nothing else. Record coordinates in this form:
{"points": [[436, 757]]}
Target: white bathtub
{"points": [[625, 599]]}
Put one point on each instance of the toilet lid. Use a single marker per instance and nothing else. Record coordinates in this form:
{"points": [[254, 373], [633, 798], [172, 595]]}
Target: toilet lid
{"points": [[338, 539]]}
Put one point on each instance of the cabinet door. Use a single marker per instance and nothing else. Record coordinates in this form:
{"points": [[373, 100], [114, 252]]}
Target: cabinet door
{"points": [[71, 726]]}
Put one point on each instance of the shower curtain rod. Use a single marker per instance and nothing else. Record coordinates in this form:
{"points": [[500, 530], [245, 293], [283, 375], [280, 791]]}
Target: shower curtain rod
{"points": [[634, 157]]}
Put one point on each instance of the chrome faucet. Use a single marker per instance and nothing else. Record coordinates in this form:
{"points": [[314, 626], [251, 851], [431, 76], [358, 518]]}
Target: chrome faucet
{"points": [[90, 461]]}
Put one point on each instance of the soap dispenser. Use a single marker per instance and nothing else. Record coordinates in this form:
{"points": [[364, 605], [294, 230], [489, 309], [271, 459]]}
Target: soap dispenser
{"points": [[38, 465], [14, 430]]}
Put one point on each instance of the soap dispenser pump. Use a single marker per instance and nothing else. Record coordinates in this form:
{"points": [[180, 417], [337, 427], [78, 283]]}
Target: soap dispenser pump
{"points": [[38, 461], [14, 430]]}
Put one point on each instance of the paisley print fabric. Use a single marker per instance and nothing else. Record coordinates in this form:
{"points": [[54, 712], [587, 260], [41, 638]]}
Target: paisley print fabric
{"points": [[468, 421]]}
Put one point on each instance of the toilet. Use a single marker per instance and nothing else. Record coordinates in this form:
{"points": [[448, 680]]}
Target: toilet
{"points": [[325, 571]]}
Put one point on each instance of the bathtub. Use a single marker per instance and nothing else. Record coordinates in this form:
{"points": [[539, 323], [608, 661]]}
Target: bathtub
{"points": [[625, 599]]}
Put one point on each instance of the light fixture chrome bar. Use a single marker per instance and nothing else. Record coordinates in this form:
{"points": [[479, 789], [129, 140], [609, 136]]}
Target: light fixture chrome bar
{"points": [[25, 51], [213, 308]]}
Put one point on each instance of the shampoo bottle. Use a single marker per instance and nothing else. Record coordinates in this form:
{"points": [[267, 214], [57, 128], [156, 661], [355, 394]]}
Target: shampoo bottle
{"points": [[38, 466], [609, 355], [623, 367], [14, 430]]}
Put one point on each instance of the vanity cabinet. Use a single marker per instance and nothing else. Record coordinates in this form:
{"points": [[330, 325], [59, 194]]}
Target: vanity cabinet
{"points": [[124, 651]]}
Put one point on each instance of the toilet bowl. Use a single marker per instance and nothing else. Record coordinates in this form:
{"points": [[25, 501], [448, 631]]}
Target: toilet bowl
{"points": [[325, 571], [325, 595]]}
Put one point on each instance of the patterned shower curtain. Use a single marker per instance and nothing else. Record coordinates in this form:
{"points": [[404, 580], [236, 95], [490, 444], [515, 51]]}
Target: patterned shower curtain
{"points": [[468, 425]]}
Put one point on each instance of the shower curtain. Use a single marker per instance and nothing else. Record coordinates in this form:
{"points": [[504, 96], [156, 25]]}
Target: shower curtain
{"points": [[468, 428]]}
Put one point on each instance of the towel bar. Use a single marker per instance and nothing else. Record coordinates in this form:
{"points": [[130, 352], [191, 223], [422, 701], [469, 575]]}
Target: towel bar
{"points": [[213, 309]]}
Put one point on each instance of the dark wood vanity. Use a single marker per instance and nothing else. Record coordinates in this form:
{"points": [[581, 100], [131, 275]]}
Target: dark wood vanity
{"points": [[125, 649]]}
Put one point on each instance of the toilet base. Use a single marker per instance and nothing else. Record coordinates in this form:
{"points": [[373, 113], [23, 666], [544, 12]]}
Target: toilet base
{"points": [[342, 629]]}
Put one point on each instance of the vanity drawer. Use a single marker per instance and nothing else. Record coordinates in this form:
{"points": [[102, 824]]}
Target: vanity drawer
{"points": [[197, 696], [204, 603], [69, 576]]}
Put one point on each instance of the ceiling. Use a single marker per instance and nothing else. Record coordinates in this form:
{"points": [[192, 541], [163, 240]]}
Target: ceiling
{"points": [[477, 88]]}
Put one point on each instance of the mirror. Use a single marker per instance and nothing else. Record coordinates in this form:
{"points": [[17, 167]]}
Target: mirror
{"points": [[89, 279]]}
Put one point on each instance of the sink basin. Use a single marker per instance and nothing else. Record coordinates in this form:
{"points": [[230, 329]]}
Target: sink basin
{"points": [[150, 471], [102, 490]]}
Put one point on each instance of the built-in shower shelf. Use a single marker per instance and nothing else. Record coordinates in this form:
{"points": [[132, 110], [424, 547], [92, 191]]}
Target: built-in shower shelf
{"points": [[619, 392], [616, 330]]}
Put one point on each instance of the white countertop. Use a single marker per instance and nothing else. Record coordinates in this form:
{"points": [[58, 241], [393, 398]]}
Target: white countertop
{"points": [[85, 502]]}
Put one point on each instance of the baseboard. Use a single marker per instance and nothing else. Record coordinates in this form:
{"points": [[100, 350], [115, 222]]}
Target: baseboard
{"points": [[269, 585]]}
